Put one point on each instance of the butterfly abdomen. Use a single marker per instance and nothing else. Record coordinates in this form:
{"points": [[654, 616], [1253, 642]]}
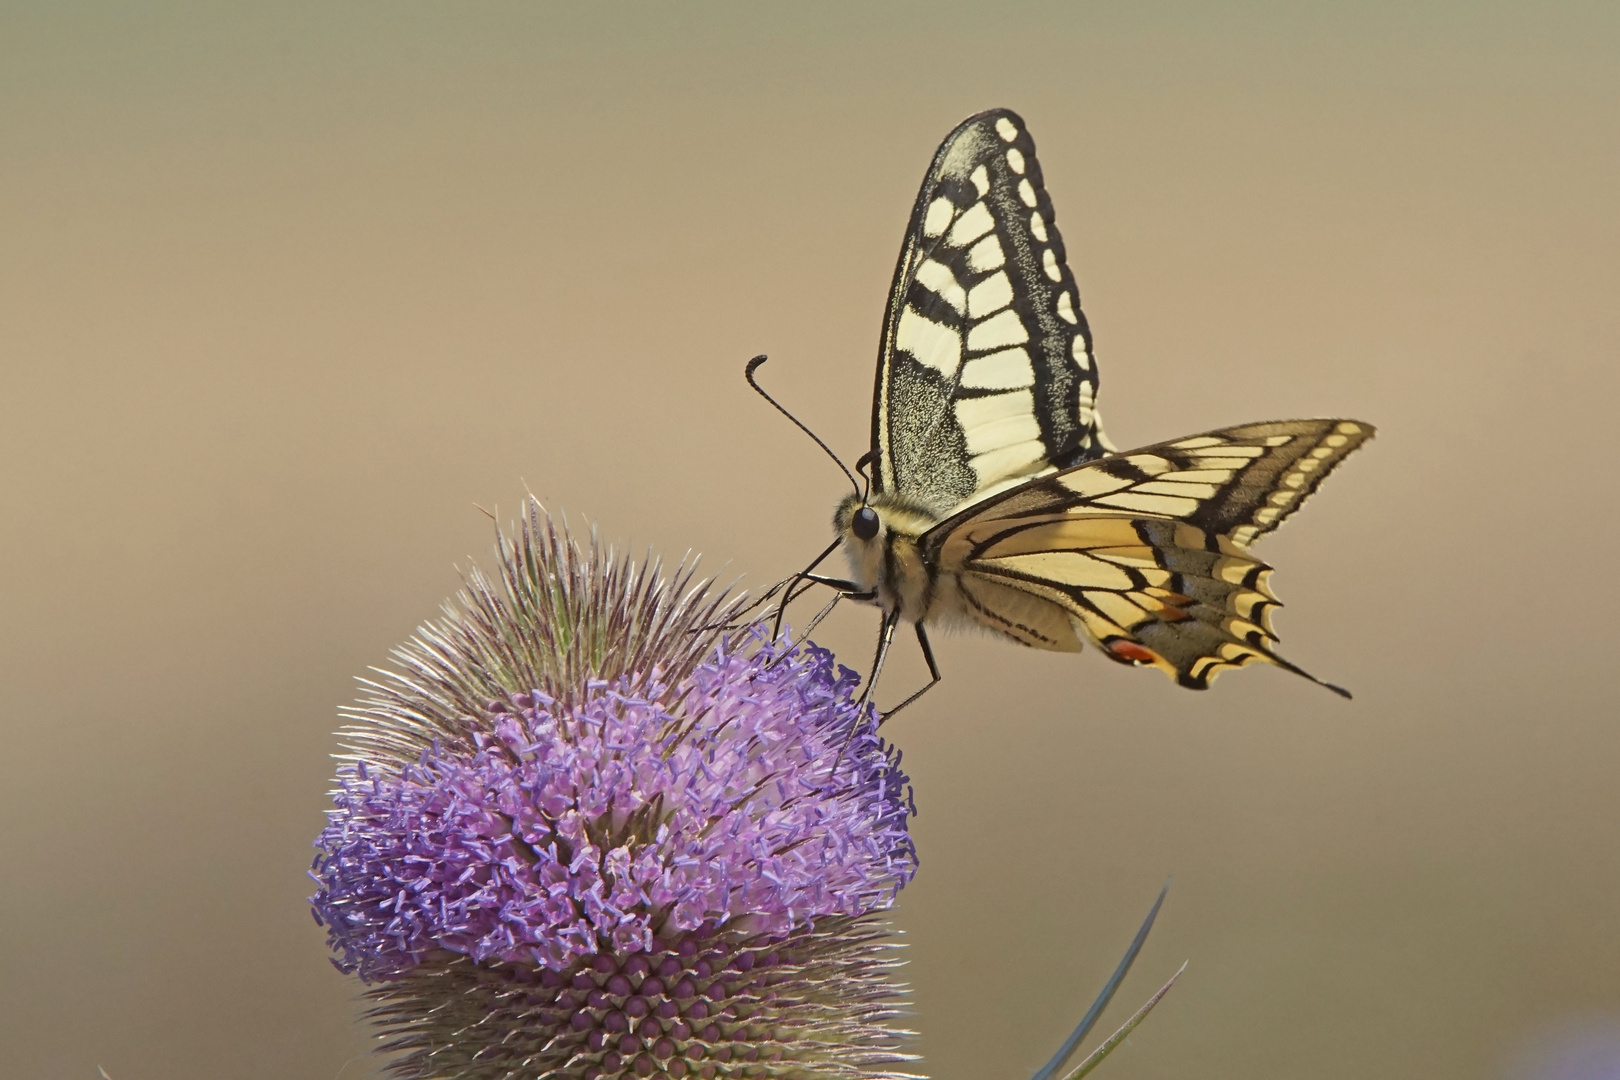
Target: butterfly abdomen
{"points": [[972, 602]]}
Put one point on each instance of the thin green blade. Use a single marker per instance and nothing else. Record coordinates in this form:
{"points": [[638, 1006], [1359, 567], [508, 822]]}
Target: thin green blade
{"points": [[1070, 1044], [1095, 1057]]}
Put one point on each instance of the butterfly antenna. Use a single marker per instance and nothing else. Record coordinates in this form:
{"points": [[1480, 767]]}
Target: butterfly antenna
{"points": [[863, 463], [748, 373]]}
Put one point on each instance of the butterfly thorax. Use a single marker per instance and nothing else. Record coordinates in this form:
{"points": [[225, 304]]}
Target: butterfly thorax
{"points": [[890, 564]]}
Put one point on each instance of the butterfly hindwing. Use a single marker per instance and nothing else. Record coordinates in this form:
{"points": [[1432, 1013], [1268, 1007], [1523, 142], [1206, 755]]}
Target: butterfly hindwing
{"points": [[1142, 589], [985, 374], [1145, 553]]}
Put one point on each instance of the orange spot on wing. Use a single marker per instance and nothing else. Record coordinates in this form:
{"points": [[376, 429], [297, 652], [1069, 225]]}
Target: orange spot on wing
{"points": [[1165, 604], [1129, 652]]}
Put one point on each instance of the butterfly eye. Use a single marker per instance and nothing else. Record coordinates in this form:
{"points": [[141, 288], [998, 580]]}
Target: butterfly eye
{"points": [[865, 524]]}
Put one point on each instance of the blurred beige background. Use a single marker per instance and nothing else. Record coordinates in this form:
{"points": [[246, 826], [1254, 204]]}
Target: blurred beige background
{"points": [[287, 291]]}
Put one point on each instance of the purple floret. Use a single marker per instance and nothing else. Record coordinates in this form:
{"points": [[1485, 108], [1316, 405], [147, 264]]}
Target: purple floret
{"points": [[740, 801]]}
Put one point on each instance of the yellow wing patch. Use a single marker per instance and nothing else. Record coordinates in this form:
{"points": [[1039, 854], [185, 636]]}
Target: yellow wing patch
{"points": [[1145, 553]]}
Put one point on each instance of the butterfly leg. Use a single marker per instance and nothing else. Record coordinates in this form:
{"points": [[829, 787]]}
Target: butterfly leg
{"points": [[885, 639], [847, 590], [933, 672]]}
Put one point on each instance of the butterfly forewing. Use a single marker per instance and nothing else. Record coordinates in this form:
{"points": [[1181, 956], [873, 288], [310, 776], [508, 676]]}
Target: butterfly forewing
{"points": [[1146, 552], [985, 374]]}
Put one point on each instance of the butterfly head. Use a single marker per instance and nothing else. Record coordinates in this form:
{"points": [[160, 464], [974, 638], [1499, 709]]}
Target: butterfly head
{"points": [[865, 520], [881, 533], [865, 535]]}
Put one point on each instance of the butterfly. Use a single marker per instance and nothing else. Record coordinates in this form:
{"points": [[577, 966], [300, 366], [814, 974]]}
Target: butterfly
{"points": [[995, 501]]}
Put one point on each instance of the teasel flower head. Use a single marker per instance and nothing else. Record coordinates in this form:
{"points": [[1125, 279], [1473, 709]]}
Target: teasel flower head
{"points": [[596, 823]]}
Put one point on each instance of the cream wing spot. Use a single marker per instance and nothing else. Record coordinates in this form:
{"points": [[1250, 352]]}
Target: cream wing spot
{"points": [[1114, 606], [1065, 307], [1262, 581], [1158, 505], [1147, 600], [1197, 443], [1072, 534], [1335, 441], [935, 346], [940, 281], [1015, 160], [1006, 129], [1200, 476], [1050, 265], [997, 332], [1069, 567], [1139, 557], [1229, 451], [981, 180], [1089, 483], [992, 294], [1248, 604], [938, 218], [1242, 628], [1007, 461], [1179, 488], [986, 255], [1037, 226], [974, 223], [999, 420], [1349, 428], [1026, 192], [1093, 627], [1009, 369], [1077, 349], [1152, 464]]}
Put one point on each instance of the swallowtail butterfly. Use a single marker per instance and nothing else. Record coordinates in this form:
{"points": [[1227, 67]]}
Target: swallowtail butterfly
{"points": [[994, 499]]}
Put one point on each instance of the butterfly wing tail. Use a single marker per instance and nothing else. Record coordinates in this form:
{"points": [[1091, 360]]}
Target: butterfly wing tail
{"points": [[1166, 599], [1219, 616]]}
